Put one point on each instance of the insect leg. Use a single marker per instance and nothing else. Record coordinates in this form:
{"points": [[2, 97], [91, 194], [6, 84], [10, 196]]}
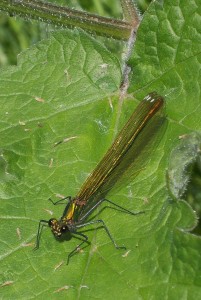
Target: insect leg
{"points": [[74, 250], [68, 198], [116, 205], [40, 228], [124, 209], [106, 229]]}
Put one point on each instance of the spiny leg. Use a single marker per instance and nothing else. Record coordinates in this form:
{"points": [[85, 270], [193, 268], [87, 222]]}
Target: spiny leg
{"points": [[76, 248], [68, 198], [116, 205], [40, 228], [124, 209], [106, 229]]}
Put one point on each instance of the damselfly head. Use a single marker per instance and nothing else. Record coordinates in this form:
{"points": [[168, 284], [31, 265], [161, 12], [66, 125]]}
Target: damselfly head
{"points": [[57, 227]]}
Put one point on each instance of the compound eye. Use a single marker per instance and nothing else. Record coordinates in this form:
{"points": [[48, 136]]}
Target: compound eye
{"points": [[64, 229], [51, 222]]}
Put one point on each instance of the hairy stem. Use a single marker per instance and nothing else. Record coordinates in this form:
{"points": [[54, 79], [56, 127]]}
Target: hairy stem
{"points": [[66, 17], [130, 13]]}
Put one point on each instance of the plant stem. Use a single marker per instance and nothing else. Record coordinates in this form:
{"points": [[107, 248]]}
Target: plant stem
{"points": [[130, 13], [66, 17]]}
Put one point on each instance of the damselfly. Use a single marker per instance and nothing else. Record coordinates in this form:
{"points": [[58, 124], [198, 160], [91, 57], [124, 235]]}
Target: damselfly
{"points": [[140, 129]]}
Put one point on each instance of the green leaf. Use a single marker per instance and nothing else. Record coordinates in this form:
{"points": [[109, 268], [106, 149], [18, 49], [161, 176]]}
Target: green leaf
{"points": [[181, 160], [63, 89]]}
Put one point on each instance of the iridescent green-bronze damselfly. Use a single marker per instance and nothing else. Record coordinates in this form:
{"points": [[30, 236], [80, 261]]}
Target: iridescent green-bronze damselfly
{"points": [[143, 125]]}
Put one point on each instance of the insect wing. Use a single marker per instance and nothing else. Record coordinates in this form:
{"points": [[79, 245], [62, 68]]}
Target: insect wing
{"points": [[126, 150]]}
